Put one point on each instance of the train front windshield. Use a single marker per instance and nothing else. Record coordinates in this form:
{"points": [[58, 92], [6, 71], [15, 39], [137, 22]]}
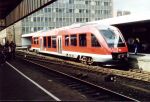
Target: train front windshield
{"points": [[112, 37]]}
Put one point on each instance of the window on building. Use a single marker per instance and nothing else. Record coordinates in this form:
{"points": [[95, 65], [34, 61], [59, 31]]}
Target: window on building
{"points": [[94, 41], [73, 40], [45, 10], [46, 19], [66, 40], [87, 19], [49, 41], [35, 29], [57, 9], [34, 19], [106, 3], [82, 40], [81, 10], [71, 11], [39, 28], [71, 1], [23, 29], [87, 2], [60, 19], [87, 11], [49, 10], [97, 2], [27, 29], [38, 19], [98, 11], [44, 41], [51, 27], [77, 20], [42, 20], [53, 41], [106, 11], [50, 19], [81, 19]]}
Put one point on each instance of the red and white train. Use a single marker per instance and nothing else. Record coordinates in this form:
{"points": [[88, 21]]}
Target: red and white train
{"points": [[86, 42]]}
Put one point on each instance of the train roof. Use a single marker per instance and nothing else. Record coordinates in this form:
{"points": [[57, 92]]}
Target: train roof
{"points": [[124, 19], [31, 34], [56, 30]]}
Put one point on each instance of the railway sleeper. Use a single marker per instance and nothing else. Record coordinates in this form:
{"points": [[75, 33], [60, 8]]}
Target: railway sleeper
{"points": [[103, 97], [77, 87], [83, 89], [110, 78], [74, 85], [90, 91]]}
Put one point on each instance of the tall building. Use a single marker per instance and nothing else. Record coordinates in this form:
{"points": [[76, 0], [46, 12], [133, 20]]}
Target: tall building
{"points": [[66, 12], [60, 13]]}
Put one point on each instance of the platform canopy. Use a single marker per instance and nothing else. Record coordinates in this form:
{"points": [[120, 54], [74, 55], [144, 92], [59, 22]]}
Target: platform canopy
{"points": [[12, 11], [6, 6], [125, 19]]}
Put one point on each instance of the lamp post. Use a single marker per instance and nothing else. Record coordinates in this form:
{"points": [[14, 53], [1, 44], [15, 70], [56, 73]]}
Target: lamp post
{"points": [[14, 34]]}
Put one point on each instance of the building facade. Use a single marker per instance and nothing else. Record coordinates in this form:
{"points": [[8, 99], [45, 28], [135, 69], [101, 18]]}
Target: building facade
{"points": [[122, 13], [66, 12], [60, 13]]}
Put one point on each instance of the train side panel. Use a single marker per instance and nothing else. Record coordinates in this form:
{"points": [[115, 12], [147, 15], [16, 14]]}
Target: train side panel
{"points": [[83, 43]]}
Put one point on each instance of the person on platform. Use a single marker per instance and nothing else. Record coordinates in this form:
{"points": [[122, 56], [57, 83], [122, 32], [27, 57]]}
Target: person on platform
{"points": [[13, 49], [2, 55], [137, 45], [7, 50]]}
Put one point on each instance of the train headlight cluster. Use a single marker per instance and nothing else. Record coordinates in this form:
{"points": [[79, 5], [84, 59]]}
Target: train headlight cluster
{"points": [[117, 56], [120, 56]]}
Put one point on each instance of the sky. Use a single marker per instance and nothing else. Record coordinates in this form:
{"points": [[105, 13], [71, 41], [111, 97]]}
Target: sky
{"points": [[134, 6]]}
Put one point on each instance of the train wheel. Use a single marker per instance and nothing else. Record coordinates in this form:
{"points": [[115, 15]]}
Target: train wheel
{"points": [[90, 61], [84, 60]]}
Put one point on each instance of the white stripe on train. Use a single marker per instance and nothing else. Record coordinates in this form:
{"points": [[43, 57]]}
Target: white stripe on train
{"points": [[96, 57]]}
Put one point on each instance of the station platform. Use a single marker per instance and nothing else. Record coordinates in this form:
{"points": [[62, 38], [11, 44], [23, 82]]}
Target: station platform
{"points": [[140, 61], [14, 86]]}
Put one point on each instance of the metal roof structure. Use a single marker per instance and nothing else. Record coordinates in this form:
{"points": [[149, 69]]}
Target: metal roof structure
{"points": [[11, 11], [6, 6], [124, 19]]}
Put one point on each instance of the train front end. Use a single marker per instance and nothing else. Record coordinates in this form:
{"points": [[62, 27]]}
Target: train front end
{"points": [[115, 43]]}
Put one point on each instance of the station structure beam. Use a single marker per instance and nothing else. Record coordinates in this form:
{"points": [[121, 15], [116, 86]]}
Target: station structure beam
{"points": [[23, 9]]}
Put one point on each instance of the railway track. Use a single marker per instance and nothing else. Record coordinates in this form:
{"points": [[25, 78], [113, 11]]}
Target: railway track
{"points": [[90, 90], [136, 74]]}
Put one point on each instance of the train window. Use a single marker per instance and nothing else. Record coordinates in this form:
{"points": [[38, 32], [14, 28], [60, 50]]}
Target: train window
{"points": [[120, 43], [66, 40], [32, 40], [94, 41], [82, 39], [49, 41], [44, 41], [53, 41], [73, 40], [109, 36], [35, 40]]}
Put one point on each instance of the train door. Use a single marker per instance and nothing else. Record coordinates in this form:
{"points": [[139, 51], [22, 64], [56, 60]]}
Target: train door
{"points": [[41, 43], [59, 41]]}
